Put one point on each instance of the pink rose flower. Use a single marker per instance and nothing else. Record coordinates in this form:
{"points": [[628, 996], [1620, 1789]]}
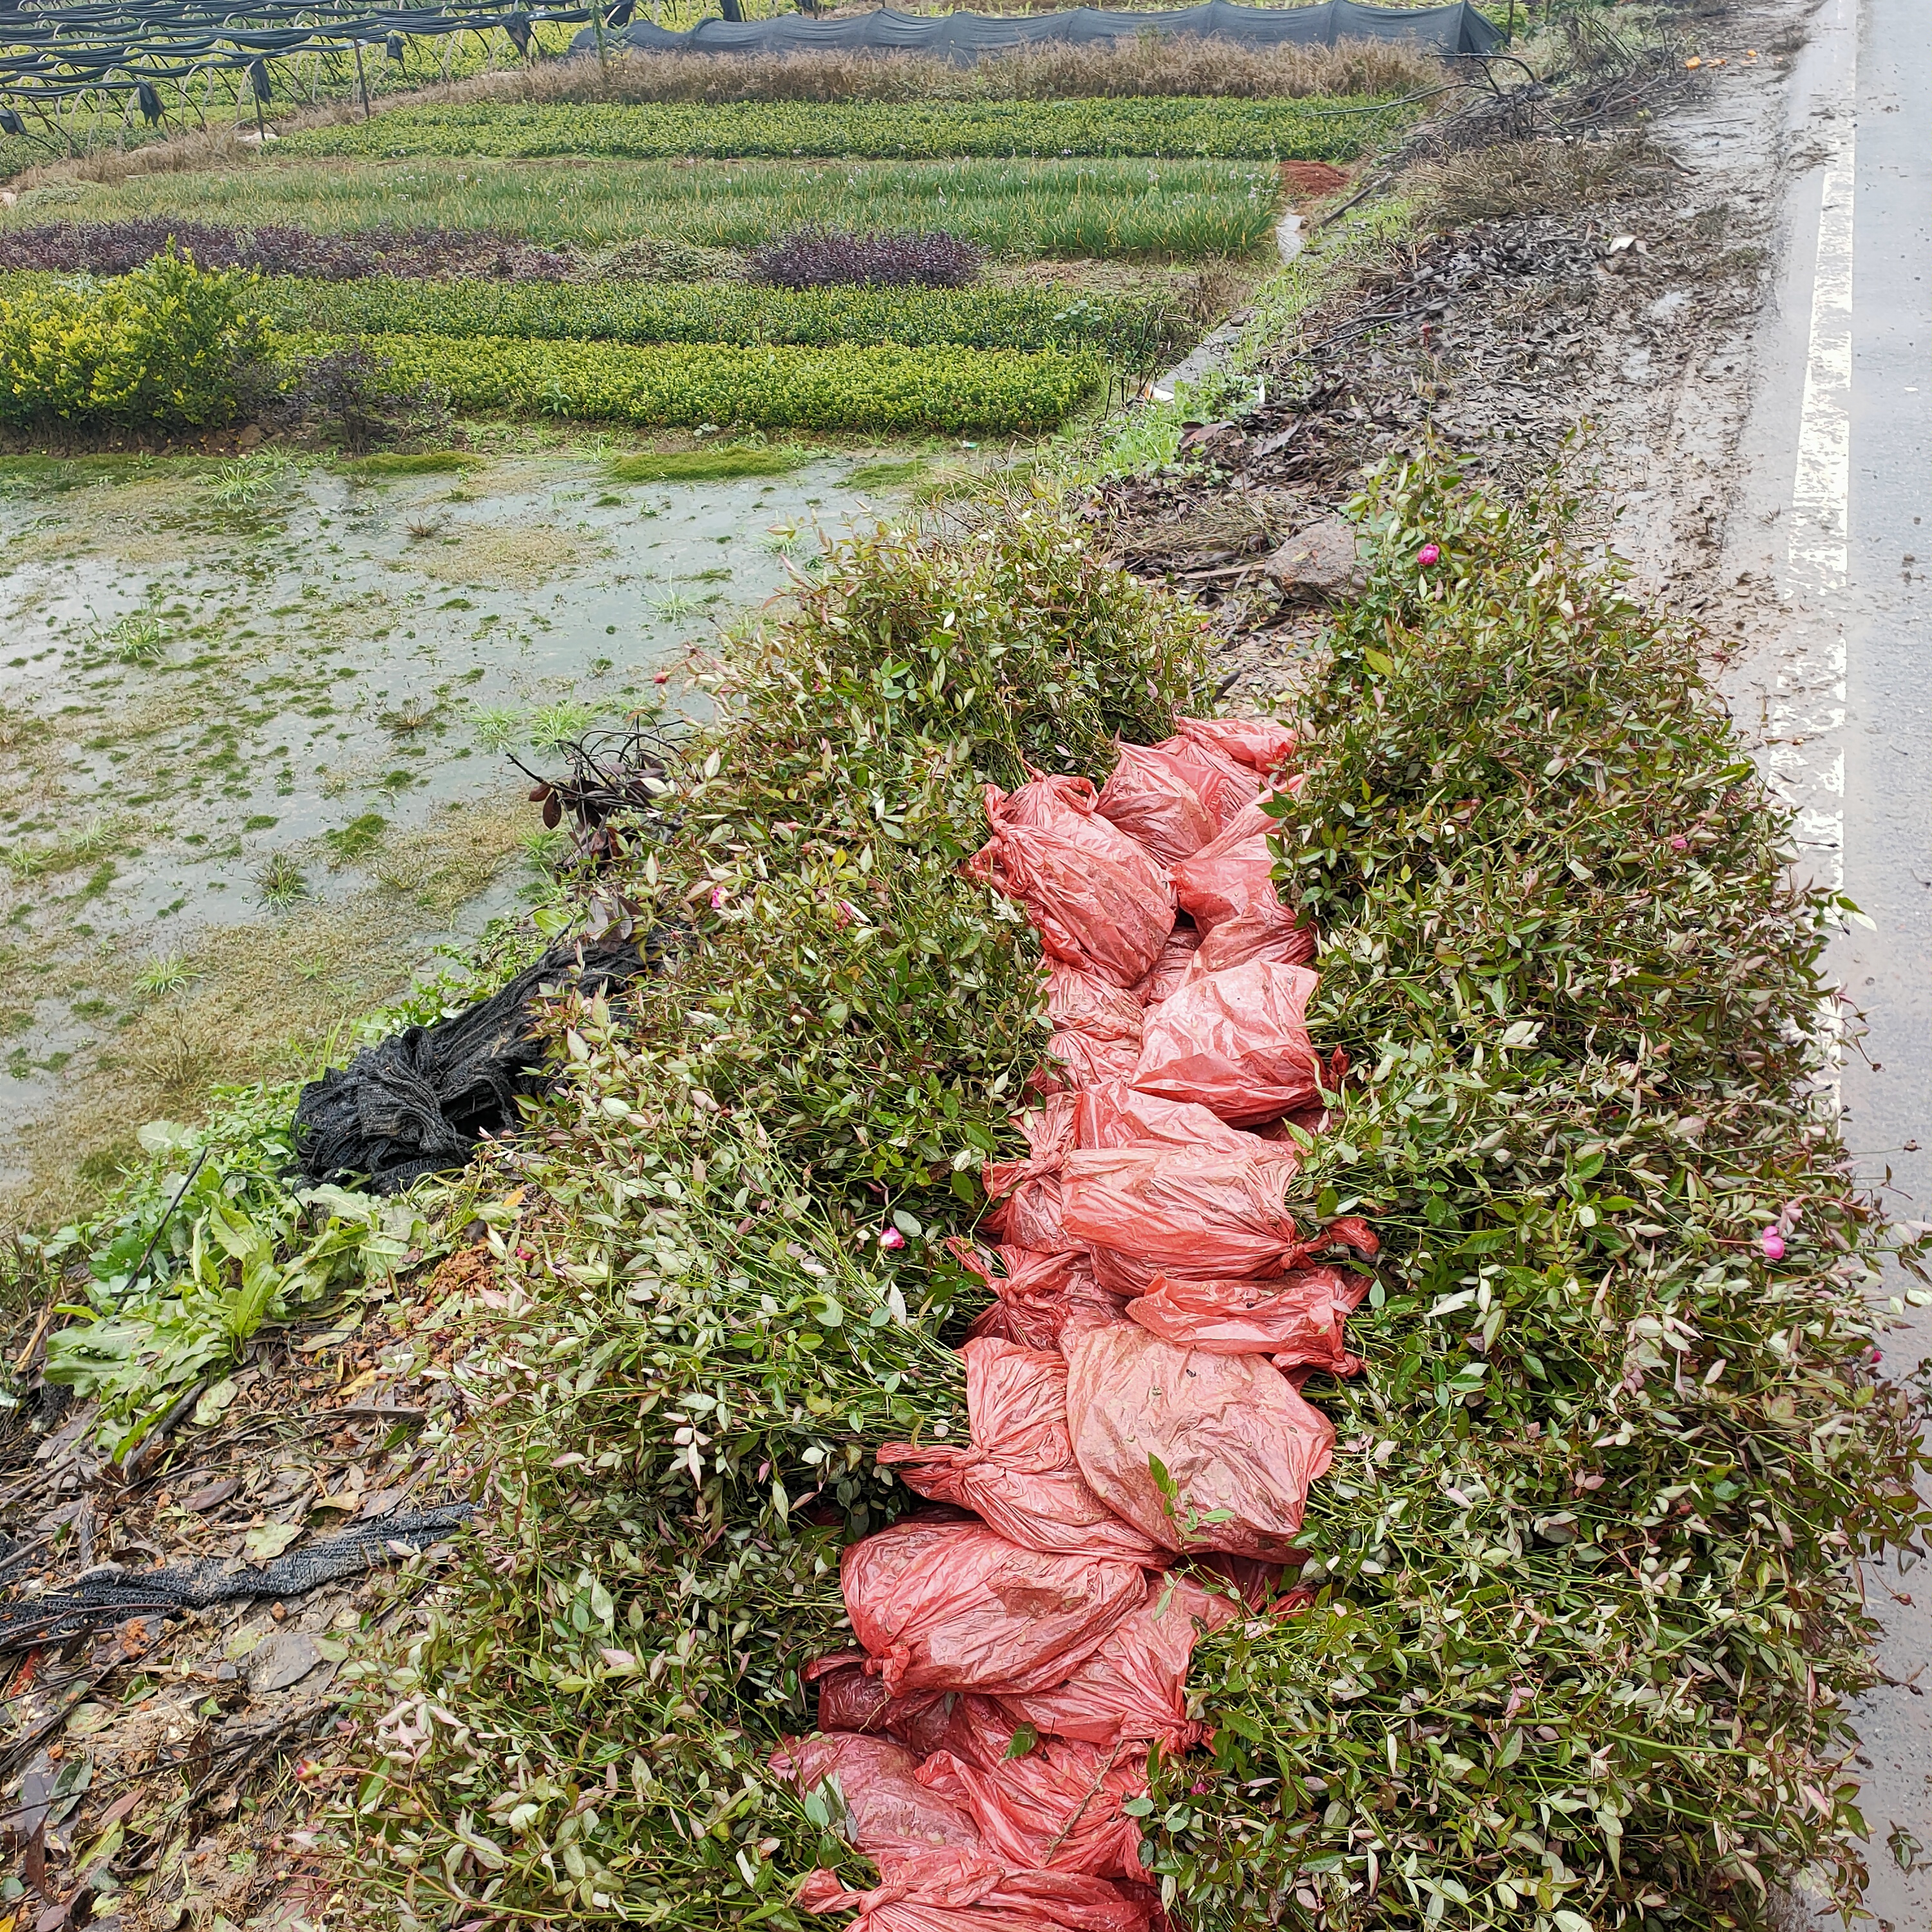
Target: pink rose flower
{"points": [[890, 1238], [1772, 1243], [1428, 554]]}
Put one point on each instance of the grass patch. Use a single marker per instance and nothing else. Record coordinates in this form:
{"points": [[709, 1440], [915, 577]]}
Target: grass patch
{"points": [[888, 475], [705, 466], [412, 463], [687, 385], [1264, 130], [1158, 210]]}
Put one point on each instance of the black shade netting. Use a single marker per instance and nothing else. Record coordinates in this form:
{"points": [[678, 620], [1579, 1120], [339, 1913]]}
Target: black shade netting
{"points": [[420, 1102]]}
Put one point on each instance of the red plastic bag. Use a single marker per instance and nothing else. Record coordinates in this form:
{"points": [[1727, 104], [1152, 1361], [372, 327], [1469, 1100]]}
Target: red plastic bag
{"points": [[1027, 1192], [968, 1892], [1018, 1473], [1260, 743], [1239, 1446], [953, 1605], [891, 1813], [971, 1727], [1039, 1296], [1236, 1042], [1133, 1689], [1097, 1024], [1112, 1114], [1231, 879], [1297, 1320], [1149, 797], [1225, 788], [1208, 1212], [1171, 968], [1058, 1808], [1097, 900], [1280, 937]]}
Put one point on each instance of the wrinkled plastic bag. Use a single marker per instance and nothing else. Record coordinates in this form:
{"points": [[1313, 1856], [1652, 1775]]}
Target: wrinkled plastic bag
{"points": [[1133, 1689], [1058, 1808], [1018, 1473], [888, 1812], [969, 1726], [1239, 1446], [953, 1605], [1026, 1193], [1149, 797], [1040, 1297], [1207, 1212], [1260, 743], [1112, 1114], [1167, 972], [1096, 1025], [1279, 938], [1231, 880], [966, 1892], [1297, 1320], [1225, 787], [1097, 900], [1235, 1043]]}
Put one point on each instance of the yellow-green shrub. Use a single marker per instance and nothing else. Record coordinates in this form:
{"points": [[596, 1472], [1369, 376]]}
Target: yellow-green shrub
{"points": [[163, 347]]}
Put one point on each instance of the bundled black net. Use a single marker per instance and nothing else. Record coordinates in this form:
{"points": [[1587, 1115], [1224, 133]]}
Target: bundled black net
{"points": [[418, 1103], [110, 1595]]}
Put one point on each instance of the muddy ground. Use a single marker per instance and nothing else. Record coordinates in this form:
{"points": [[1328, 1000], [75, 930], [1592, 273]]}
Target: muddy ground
{"points": [[1591, 302]]}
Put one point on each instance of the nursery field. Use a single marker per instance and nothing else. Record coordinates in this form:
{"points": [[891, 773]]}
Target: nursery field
{"points": [[1278, 130], [1181, 211]]}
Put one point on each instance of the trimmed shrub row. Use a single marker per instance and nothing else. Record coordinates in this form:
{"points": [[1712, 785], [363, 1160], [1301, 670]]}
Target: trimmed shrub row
{"points": [[721, 312], [876, 390], [1264, 131]]}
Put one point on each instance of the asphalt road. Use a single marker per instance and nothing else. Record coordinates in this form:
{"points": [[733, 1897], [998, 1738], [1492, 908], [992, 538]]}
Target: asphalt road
{"points": [[1840, 452]]}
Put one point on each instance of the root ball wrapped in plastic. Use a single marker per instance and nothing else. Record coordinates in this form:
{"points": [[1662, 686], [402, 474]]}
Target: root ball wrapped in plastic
{"points": [[965, 1891], [1133, 1689], [1057, 1807], [1239, 1447], [1297, 1321], [951, 1605], [1097, 900], [1018, 1473], [1209, 1212], [1096, 1025], [1150, 797], [890, 1813], [1235, 1043]]}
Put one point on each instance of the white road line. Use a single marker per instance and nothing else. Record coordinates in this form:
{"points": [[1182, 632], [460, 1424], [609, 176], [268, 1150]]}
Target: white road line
{"points": [[1809, 763]]}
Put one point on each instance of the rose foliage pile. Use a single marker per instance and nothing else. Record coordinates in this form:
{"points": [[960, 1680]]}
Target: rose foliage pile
{"points": [[1585, 1616]]}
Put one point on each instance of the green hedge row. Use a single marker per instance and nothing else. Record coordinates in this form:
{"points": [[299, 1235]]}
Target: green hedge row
{"points": [[1128, 329], [864, 389], [1264, 130]]}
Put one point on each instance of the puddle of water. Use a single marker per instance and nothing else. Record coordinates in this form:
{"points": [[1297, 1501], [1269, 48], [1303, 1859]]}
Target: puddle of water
{"points": [[200, 699]]}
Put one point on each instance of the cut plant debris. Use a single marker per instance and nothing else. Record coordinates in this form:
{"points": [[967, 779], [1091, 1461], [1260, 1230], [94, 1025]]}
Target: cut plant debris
{"points": [[1582, 1621]]}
